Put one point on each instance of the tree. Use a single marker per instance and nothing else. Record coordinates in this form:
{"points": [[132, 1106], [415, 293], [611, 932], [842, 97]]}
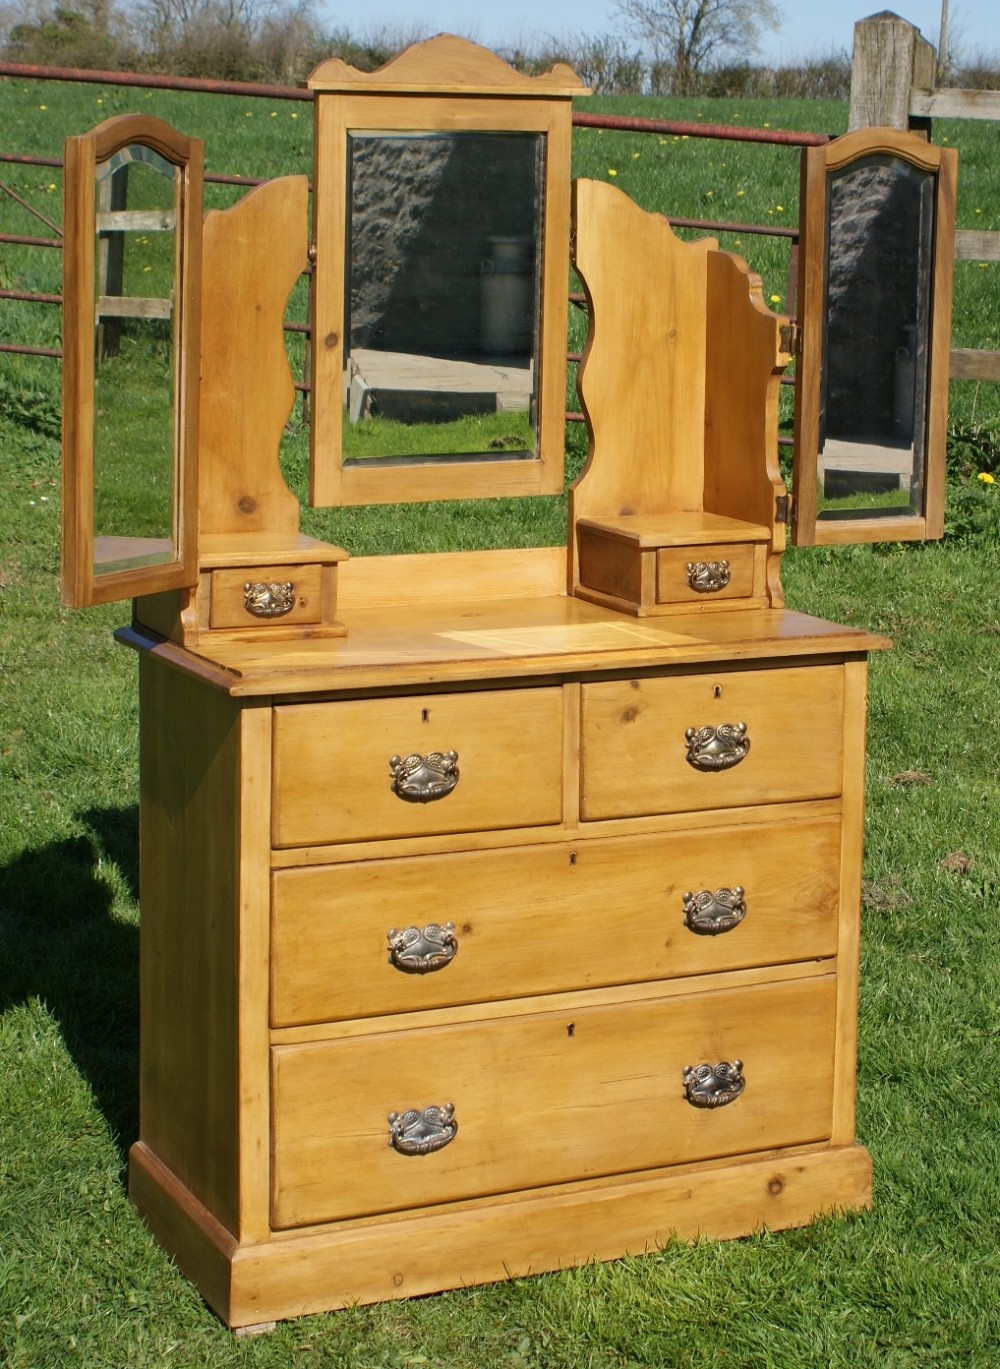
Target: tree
{"points": [[687, 36]]}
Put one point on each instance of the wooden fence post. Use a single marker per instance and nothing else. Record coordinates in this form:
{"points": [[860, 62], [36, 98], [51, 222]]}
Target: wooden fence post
{"points": [[890, 57]]}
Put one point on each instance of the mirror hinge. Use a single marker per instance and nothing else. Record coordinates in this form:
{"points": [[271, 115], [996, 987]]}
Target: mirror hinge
{"points": [[312, 254], [784, 506], [790, 337]]}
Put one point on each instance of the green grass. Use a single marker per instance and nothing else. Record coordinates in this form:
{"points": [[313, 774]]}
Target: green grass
{"points": [[914, 1283]]}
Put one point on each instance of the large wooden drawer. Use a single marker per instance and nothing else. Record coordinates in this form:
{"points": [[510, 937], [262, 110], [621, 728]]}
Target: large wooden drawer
{"points": [[540, 919], [333, 774], [547, 1098], [636, 733]]}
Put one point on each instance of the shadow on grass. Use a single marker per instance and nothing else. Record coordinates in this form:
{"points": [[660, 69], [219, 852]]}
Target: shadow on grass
{"points": [[60, 942]]}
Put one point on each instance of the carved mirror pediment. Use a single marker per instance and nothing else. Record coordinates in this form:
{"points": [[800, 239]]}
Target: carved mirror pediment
{"points": [[132, 224], [440, 277], [875, 281]]}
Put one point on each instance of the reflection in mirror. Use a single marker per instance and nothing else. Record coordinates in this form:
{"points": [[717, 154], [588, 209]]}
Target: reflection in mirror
{"points": [[443, 271], [879, 267], [135, 504]]}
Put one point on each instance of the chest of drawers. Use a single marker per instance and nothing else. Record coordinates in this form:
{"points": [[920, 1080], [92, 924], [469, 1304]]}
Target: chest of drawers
{"points": [[537, 946]]}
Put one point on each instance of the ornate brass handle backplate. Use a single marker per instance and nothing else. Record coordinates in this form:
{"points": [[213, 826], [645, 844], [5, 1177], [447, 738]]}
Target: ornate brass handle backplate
{"points": [[421, 952], [713, 1086], [421, 779], [708, 577], [709, 914], [421, 1133], [263, 600], [717, 748]]}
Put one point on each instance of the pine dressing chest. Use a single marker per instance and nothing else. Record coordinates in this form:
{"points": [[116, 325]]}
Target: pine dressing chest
{"points": [[500, 909]]}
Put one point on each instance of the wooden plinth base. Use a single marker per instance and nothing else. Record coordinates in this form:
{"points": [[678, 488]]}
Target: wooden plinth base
{"points": [[421, 1252]]}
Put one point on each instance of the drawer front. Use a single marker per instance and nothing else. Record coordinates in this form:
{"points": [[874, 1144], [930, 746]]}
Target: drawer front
{"points": [[257, 596], [368, 938], [546, 1098], [636, 743], [722, 572], [367, 769]]}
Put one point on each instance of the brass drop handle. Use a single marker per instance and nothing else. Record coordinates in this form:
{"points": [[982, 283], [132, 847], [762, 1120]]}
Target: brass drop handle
{"points": [[713, 1086], [709, 914], [421, 952], [422, 779], [268, 600], [717, 748], [708, 577], [416, 1132]]}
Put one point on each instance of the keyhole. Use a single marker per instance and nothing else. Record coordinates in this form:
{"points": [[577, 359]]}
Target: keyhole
{"points": [[572, 857], [571, 1029], [718, 691], [425, 714]]}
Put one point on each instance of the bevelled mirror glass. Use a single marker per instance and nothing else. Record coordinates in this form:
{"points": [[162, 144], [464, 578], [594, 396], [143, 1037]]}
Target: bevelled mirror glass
{"points": [[440, 278], [875, 309], [132, 230]]}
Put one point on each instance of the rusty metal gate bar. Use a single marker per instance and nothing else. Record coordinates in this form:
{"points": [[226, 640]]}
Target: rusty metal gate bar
{"points": [[246, 89]]}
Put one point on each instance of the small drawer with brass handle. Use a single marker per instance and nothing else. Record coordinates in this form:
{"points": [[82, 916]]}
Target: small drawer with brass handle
{"points": [[680, 741], [256, 596], [373, 769]]}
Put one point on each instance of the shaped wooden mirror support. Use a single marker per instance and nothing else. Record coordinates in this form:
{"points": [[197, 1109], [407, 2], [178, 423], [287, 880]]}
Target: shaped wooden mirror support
{"points": [[441, 277], [679, 505], [132, 225], [875, 283], [257, 574]]}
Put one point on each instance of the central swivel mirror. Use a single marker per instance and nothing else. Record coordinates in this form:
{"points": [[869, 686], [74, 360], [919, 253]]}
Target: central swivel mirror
{"points": [[441, 277]]}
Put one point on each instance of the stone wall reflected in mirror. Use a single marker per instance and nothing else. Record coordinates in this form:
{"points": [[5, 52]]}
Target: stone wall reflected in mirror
{"points": [[135, 494], [442, 299], [879, 268]]}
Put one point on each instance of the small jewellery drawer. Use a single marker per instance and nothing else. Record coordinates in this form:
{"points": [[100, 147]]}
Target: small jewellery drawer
{"points": [[701, 575], [687, 742], [368, 938], [256, 596], [401, 1119], [364, 769]]}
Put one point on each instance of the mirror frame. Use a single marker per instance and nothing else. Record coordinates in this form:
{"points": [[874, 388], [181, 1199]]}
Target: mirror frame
{"points": [[81, 587], [818, 164], [446, 84]]}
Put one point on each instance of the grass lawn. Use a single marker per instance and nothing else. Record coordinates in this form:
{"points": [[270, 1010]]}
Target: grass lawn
{"points": [[915, 1282]]}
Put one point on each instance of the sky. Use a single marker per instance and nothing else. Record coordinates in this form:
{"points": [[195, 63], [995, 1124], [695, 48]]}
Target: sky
{"points": [[809, 28]]}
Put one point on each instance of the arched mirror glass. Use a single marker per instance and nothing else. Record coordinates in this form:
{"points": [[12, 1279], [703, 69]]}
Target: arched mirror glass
{"points": [[440, 283], [875, 301], [132, 229]]}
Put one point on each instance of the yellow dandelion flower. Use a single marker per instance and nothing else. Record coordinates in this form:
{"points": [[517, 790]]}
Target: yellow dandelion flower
{"points": [[636, 156], [709, 194], [43, 106], [740, 194], [978, 211], [779, 208], [986, 478], [612, 171], [274, 113], [775, 299], [295, 114]]}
